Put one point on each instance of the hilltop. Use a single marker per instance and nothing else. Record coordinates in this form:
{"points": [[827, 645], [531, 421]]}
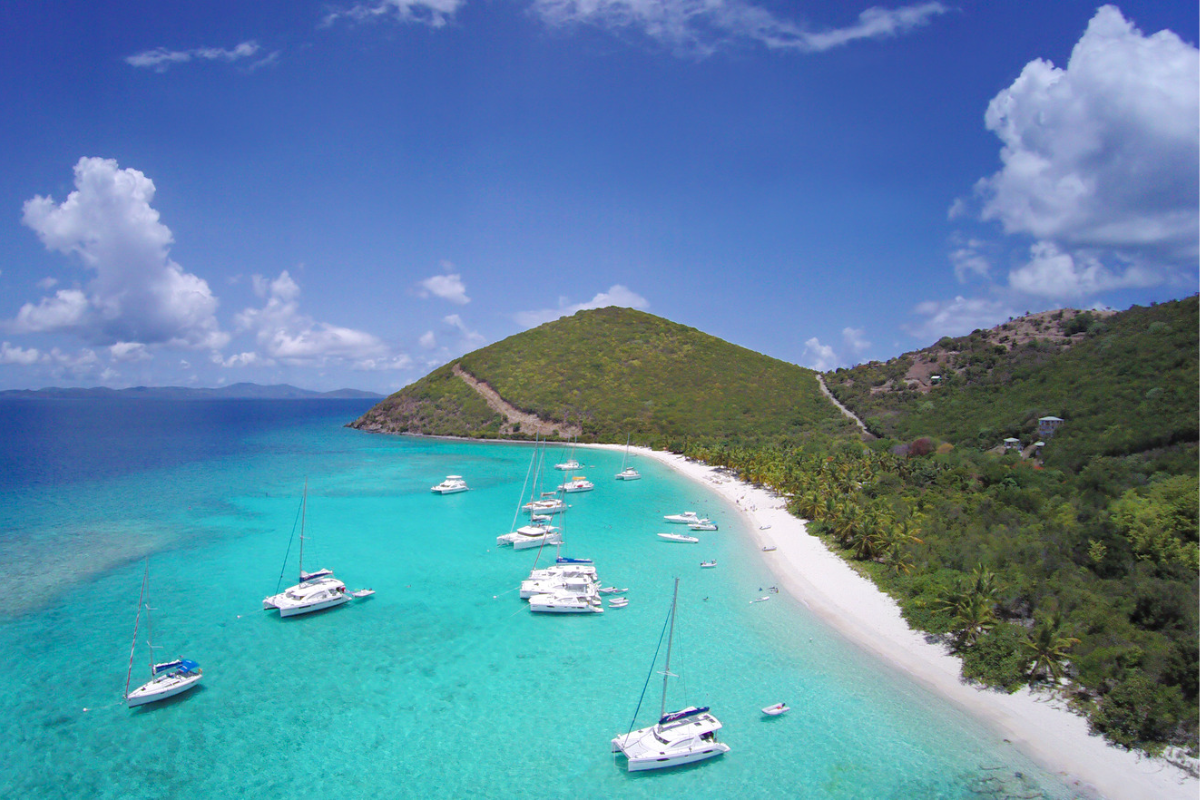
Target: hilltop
{"points": [[607, 373]]}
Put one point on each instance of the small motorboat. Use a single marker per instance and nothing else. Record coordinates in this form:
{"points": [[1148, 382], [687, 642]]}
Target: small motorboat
{"points": [[618, 602], [703, 525], [611, 590], [686, 518], [760, 600], [768, 548], [707, 564], [776, 710], [677, 537], [361, 593]]}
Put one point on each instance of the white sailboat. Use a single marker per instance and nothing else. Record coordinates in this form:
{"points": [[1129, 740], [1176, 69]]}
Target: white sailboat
{"points": [[570, 464], [578, 483], [168, 678], [627, 473], [681, 737], [315, 591]]}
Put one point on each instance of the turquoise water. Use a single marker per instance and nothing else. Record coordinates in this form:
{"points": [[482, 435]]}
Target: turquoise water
{"points": [[442, 684]]}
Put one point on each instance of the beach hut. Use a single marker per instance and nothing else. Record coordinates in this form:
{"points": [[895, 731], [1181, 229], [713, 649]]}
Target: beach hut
{"points": [[1012, 444]]}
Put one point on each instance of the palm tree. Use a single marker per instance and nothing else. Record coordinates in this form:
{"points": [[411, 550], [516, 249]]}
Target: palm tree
{"points": [[1050, 649]]}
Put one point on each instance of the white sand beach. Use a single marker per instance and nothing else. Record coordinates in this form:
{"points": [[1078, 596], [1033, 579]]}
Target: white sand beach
{"points": [[1033, 722]]}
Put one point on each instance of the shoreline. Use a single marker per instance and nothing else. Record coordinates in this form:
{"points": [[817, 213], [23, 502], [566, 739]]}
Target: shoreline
{"points": [[1039, 726]]}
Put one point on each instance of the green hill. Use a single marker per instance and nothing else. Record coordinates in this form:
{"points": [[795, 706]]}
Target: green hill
{"points": [[1123, 383], [613, 372]]}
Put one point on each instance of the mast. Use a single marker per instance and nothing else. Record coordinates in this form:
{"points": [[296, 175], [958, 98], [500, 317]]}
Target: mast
{"points": [[136, 620], [667, 670], [625, 458], [303, 510]]}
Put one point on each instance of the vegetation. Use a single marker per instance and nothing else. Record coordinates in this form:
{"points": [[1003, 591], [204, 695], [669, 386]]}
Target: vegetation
{"points": [[1074, 568], [1128, 384], [1030, 574], [619, 372]]}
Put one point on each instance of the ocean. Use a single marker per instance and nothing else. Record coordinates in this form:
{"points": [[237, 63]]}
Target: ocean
{"points": [[441, 685]]}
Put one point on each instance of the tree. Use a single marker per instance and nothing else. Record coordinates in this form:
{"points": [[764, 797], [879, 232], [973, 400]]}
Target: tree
{"points": [[1049, 648]]}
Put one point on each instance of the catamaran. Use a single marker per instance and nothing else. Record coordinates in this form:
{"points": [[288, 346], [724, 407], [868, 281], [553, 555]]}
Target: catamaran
{"points": [[577, 484], [528, 536], [627, 473], [316, 590], [168, 678], [452, 485], [681, 737]]}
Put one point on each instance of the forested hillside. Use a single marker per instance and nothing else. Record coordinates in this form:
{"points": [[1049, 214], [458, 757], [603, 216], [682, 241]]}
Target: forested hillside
{"points": [[1078, 572], [618, 372]]}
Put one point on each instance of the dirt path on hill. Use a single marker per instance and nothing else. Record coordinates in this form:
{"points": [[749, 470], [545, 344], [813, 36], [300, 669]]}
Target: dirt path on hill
{"points": [[843, 409], [515, 418]]}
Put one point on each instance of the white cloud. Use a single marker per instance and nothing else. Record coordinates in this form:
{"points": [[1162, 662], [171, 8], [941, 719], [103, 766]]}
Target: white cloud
{"points": [[248, 359], [285, 334], [46, 284], [968, 260], [428, 340], [129, 351], [11, 354], [820, 357], [855, 339], [700, 27], [470, 339], [434, 13], [1063, 276], [401, 361], [617, 295], [1103, 153], [161, 59], [448, 287], [958, 317], [139, 294]]}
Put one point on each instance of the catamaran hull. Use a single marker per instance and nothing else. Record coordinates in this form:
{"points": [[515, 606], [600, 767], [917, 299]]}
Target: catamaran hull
{"points": [[149, 693], [678, 760], [308, 608]]}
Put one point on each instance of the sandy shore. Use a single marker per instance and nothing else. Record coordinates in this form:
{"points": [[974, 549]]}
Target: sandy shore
{"points": [[1039, 726]]}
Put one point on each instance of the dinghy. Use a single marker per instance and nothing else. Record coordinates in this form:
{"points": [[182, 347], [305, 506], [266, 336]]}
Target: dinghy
{"points": [[776, 710]]}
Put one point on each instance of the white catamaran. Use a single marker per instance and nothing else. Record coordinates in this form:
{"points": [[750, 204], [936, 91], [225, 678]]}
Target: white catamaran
{"points": [[168, 678], [681, 737], [316, 590]]}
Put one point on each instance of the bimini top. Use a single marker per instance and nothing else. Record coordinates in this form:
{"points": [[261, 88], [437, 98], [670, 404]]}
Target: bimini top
{"points": [[565, 560], [184, 665], [675, 716]]}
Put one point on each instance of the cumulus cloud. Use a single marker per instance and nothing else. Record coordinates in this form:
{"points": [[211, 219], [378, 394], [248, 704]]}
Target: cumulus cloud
{"points": [[285, 334], [1064, 276], [428, 340], [161, 59], [967, 259], [855, 339], [1102, 153], [139, 294], [820, 357], [434, 13], [958, 317], [617, 295], [699, 27], [448, 286], [12, 354], [129, 351], [248, 359]]}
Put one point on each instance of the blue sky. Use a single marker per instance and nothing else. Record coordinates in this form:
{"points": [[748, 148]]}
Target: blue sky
{"points": [[348, 195]]}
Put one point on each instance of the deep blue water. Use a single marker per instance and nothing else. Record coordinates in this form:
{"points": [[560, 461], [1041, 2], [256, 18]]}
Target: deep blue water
{"points": [[443, 684]]}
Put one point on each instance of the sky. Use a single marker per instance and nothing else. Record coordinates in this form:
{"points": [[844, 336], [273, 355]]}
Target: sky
{"points": [[350, 194]]}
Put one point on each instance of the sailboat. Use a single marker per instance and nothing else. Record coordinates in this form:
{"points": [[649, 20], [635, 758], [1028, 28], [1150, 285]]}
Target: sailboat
{"points": [[168, 678], [627, 473], [681, 737], [316, 590], [570, 465]]}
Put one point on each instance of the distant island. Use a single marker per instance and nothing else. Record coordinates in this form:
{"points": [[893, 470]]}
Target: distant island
{"points": [[237, 391]]}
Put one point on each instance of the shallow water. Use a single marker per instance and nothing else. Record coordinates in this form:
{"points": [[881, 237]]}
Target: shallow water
{"points": [[442, 684]]}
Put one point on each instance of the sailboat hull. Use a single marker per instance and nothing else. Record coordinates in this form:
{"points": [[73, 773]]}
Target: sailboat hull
{"points": [[161, 688]]}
